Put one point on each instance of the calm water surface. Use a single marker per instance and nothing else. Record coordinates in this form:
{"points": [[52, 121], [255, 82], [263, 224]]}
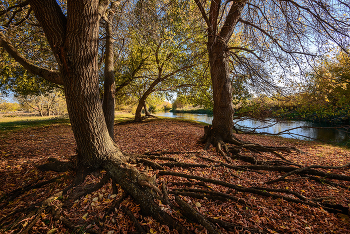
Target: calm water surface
{"points": [[309, 131]]}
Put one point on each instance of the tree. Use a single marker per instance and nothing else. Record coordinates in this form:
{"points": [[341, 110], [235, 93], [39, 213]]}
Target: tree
{"points": [[47, 104], [73, 36], [167, 34], [6, 106], [109, 80], [278, 32]]}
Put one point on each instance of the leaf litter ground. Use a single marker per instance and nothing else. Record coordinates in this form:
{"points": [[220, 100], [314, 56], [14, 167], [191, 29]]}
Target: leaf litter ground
{"points": [[175, 141]]}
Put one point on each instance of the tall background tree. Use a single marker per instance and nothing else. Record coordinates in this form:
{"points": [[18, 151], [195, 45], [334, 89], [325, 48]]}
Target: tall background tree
{"points": [[276, 37]]}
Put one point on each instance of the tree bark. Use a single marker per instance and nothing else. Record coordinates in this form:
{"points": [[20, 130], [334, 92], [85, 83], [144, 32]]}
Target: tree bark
{"points": [[74, 41], [222, 125], [94, 143], [138, 117], [222, 91], [109, 83]]}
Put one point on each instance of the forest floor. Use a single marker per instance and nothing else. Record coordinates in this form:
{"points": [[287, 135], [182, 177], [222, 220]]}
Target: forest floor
{"points": [[23, 185]]}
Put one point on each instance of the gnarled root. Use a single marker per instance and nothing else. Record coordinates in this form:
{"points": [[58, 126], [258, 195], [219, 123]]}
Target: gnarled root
{"points": [[220, 143]]}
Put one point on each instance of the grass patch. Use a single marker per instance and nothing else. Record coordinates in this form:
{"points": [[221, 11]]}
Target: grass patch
{"points": [[9, 124], [121, 117], [18, 123]]}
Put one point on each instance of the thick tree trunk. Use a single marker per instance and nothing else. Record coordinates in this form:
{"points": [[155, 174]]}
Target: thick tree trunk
{"points": [[109, 84], [222, 91], [79, 70], [138, 116]]}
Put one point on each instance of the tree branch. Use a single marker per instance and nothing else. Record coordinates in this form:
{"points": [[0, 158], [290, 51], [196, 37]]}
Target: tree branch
{"points": [[204, 15], [232, 19], [50, 75], [273, 39], [22, 4], [245, 49]]}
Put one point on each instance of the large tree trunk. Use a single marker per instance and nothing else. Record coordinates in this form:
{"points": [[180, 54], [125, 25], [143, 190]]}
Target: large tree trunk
{"points": [[222, 91], [74, 41], [109, 83], [80, 75]]}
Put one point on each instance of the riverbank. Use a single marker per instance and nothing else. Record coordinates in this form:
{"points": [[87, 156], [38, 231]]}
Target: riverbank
{"points": [[315, 114], [287, 129], [193, 111]]}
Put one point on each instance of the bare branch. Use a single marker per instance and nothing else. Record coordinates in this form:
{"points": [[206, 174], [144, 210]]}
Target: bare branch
{"points": [[273, 39], [204, 15], [245, 49]]}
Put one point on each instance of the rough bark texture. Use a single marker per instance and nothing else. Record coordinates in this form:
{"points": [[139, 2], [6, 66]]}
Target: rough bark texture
{"points": [[79, 70], [74, 41], [222, 90], [109, 84], [222, 125]]}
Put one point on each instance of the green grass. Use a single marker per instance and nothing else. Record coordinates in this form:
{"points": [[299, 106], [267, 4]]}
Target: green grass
{"points": [[121, 117], [8, 124]]}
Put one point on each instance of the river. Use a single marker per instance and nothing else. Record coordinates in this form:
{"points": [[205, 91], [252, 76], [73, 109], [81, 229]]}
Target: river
{"points": [[297, 129]]}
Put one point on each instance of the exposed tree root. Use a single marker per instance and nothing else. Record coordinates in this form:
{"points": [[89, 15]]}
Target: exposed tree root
{"points": [[211, 138], [260, 191], [325, 181], [134, 220], [150, 163], [84, 190], [200, 193], [17, 192], [115, 205], [145, 192], [192, 214], [307, 171]]}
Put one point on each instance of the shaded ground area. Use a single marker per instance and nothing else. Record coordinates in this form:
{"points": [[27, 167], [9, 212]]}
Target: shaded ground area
{"points": [[169, 150]]}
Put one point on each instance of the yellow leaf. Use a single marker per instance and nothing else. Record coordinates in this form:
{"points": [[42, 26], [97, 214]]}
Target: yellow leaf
{"points": [[52, 231], [85, 215]]}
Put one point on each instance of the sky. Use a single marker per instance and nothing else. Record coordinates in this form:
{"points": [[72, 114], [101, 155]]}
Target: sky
{"points": [[8, 98]]}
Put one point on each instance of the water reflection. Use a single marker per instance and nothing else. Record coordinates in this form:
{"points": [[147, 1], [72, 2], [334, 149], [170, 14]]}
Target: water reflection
{"points": [[309, 131]]}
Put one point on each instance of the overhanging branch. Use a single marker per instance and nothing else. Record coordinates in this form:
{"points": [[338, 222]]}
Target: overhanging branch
{"points": [[50, 75]]}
